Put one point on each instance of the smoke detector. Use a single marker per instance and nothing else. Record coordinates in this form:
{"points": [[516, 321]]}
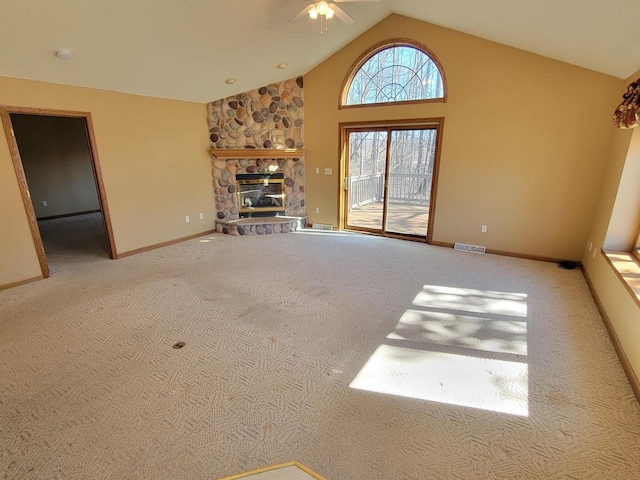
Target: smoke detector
{"points": [[63, 54]]}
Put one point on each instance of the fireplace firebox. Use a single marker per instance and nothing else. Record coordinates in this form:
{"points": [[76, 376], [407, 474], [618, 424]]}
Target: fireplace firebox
{"points": [[260, 194]]}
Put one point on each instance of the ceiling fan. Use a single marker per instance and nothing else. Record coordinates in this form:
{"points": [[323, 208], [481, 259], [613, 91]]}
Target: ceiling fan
{"points": [[325, 10]]}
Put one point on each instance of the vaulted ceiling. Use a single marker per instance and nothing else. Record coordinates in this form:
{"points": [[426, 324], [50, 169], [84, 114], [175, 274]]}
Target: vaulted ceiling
{"points": [[185, 49]]}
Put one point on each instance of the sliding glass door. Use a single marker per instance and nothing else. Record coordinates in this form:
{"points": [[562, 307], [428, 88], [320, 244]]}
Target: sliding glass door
{"points": [[389, 179], [366, 178]]}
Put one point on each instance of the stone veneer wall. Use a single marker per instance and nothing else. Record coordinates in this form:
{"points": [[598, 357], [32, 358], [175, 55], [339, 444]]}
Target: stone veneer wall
{"points": [[262, 118], [224, 174], [269, 117]]}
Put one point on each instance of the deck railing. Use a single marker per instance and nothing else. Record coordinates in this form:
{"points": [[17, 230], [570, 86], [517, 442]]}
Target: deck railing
{"points": [[405, 188], [365, 189]]}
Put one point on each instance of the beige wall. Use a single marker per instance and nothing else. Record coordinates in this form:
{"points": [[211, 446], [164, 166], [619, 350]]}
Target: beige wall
{"points": [[57, 163], [614, 225], [155, 163], [524, 144]]}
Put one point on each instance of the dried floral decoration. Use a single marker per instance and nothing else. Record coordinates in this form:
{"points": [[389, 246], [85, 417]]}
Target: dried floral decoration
{"points": [[627, 115]]}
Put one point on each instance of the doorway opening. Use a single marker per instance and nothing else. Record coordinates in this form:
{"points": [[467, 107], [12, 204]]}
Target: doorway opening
{"points": [[60, 180], [390, 176]]}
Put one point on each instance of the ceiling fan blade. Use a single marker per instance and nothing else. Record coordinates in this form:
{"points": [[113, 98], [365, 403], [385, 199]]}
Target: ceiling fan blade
{"points": [[355, 1], [303, 13], [342, 15]]}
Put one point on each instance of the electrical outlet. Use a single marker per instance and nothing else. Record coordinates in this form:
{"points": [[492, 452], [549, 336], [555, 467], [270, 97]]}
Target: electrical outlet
{"points": [[317, 210], [201, 216], [589, 245], [328, 171], [317, 171], [44, 203], [186, 218], [594, 253], [484, 229]]}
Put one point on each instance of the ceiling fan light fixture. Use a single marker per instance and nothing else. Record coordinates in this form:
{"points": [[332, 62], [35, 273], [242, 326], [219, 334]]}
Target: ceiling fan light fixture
{"points": [[322, 8], [330, 13]]}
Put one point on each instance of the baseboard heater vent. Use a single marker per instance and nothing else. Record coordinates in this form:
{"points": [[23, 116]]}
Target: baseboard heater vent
{"points": [[321, 226], [465, 247]]}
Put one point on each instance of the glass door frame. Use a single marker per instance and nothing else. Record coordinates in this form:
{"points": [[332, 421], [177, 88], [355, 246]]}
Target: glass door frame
{"points": [[388, 126], [347, 175]]}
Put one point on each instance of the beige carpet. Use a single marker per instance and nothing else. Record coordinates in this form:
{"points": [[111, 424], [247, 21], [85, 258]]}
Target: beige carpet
{"points": [[360, 357]]}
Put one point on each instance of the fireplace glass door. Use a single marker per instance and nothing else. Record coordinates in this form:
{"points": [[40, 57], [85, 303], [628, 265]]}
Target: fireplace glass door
{"points": [[261, 197]]}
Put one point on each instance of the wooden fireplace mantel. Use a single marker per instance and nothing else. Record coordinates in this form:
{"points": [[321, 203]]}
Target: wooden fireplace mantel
{"points": [[231, 153]]}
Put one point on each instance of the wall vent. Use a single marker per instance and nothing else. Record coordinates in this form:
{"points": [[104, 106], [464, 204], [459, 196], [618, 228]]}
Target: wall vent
{"points": [[465, 247]]}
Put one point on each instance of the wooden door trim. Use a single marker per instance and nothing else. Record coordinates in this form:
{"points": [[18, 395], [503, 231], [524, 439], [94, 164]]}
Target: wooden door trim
{"points": [[5, 114], [102, 195], [345, 171], [24, 191], [385, 184], [397, 123], [433, 199]]}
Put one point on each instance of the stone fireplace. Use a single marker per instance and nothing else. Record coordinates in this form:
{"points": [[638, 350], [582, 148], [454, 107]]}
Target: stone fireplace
{"points": [[259, 135], [286, 172]]}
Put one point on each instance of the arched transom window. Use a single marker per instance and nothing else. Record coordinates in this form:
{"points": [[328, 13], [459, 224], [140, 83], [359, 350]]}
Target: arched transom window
{"points": [[394, 72]]}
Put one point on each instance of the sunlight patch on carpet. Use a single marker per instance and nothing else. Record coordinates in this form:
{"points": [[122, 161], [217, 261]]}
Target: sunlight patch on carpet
{"points": [[455, 330], [483, 383], [470, 300]]}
